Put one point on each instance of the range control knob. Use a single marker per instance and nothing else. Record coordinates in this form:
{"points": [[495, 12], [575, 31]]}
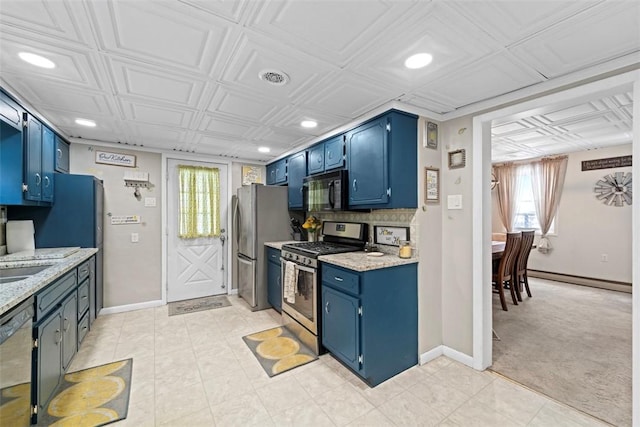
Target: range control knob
{"points": [[297, 257], [309, 261]]}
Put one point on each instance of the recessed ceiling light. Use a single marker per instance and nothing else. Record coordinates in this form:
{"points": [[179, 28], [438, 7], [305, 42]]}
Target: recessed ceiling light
{"points": [[418, 60], [264, 149], [85, 122], [308, 123], [274, 77], [37, 60]]}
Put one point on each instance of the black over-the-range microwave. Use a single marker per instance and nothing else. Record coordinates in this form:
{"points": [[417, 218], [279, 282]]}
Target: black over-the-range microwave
{"points": [[326, 192]]}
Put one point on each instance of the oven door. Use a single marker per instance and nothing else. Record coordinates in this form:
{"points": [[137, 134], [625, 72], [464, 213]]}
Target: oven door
{"points": [[304, 309]]}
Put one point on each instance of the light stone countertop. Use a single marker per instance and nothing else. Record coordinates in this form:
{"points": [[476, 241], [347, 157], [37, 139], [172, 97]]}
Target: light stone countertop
{"points": [[13, 293], [358, 261], [278, 245], [42, 253], [361, 261]]}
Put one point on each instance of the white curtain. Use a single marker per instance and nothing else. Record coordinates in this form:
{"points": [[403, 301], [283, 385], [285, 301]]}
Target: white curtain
{"points": [[508, 190], [547, 178]]}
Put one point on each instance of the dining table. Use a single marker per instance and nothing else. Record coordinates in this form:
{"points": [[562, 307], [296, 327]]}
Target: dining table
{"points": [[497, 248]]}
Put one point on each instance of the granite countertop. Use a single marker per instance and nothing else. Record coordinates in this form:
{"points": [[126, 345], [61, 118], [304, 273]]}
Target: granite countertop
{"points": [[358, 261], [361, 261], [13, 293], [44, 253], [278, 245]]}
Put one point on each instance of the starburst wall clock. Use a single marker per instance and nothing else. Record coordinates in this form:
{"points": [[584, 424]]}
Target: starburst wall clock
{"points": [[614, 189]]}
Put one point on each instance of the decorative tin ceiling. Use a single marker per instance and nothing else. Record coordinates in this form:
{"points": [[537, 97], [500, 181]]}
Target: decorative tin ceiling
{"points": [[184, 75]]}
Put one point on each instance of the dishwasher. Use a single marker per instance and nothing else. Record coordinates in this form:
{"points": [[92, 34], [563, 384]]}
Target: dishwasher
{"points": [[15, 365]]}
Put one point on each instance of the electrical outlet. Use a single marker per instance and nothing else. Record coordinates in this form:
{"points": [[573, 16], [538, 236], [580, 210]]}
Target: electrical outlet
{"points": [[604, 258], [135, 238]]}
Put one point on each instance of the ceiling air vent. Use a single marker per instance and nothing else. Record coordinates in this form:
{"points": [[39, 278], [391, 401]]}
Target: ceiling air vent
{"points": [[274, 77]]}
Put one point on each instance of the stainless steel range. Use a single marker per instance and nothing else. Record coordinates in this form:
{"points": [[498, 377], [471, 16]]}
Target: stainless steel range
{"points": [[301, 277]]}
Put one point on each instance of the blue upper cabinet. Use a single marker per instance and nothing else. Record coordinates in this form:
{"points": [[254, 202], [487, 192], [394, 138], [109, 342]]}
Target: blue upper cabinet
{"points": [[334, 152], [10, 113], [48, 163], [316, 159], [27, 150], [326, 155], [368, 164], [61, 155], [297, 170], [383, 163], [33, 160], [277, 172]]}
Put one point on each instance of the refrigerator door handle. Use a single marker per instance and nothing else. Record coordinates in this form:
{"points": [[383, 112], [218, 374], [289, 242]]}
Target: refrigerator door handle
{"points": [[236, 219]]}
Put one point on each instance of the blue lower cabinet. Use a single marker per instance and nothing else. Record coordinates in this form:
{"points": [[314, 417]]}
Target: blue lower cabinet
{"points": [[274, 281], [341, 326], [370, 319]]}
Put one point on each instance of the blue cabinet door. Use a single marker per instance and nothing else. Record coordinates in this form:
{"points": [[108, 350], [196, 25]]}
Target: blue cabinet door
{"points": [[334, 153], [271, 174], [315, 162], [341, 326], [48, 358], [297, 166], [62, 156], [274, 282], [48, 160], [69, 329], [368, 163], [33, 159], [10, 112], [277, 172], [281, 171]]}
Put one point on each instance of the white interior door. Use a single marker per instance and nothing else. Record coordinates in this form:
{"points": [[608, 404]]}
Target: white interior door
{"points": [[195, 267]]}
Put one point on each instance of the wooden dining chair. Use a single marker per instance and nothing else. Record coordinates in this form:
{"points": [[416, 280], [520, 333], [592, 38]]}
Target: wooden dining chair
{"points": [[520, 272], [504, 275]]}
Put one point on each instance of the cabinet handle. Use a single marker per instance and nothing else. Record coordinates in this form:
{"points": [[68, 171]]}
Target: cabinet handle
{"points": [[330, 155], [84, 328], [84, 297], [339, 279], [326, 307], [38, 179], [59, 151], [355, 185], [65, 324], [319, 159], [58, 339], [46, 181]]}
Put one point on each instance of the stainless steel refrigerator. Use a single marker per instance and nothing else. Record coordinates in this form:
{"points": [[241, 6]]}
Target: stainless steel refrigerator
{"points": [[260, 215]]}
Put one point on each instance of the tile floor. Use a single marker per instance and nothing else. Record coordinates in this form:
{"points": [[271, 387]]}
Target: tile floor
{"points": [[195, 370]]}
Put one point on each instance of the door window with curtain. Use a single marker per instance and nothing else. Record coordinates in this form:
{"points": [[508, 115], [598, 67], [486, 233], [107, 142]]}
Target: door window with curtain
{"points": [[199, 210]]}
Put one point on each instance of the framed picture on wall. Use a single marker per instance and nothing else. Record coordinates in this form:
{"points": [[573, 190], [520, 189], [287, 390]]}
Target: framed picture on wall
{"points": [[431, 135], [431, 185], [251, 174]]}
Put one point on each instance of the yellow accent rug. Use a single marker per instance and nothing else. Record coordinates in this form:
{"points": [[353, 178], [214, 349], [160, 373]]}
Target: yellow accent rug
{"points": [[91, 397], [278, 350]]}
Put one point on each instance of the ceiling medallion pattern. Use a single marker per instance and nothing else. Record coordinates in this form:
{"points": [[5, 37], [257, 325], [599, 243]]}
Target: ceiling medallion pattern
{"points": [[614, 189]]}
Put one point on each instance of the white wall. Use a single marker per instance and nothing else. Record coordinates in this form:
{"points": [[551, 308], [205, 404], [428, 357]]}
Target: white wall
{"points": [[132, 271], [457, 322], [586, 228]]}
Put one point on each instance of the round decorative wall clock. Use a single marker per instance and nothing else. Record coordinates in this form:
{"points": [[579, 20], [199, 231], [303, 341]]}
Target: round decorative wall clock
{"points": [[614, 189]]}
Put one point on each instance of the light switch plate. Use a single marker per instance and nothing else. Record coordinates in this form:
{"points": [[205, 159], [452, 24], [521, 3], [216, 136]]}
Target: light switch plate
{"points": [[135, 238], [454, 201]]}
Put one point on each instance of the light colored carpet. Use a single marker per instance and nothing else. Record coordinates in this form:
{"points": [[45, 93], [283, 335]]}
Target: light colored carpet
{"points": [[570, 342]]}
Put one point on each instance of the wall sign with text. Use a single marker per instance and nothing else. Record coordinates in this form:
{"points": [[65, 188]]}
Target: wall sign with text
{"points": [[608, 163], [116, 159]]}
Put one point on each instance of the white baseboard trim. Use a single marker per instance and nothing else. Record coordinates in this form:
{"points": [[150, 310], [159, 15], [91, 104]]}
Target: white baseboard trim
{"points": [[583, 281], [465, 359], [443, 350], [131, 307], [430, 355]]}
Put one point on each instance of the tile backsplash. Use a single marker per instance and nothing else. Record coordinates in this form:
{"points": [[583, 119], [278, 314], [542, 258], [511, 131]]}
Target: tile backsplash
{"points": [[389, 217]]}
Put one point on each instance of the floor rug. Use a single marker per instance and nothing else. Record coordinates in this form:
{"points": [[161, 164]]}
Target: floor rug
{"points": [[198, 304], [278, 350], [91, 397], [572, 343]]}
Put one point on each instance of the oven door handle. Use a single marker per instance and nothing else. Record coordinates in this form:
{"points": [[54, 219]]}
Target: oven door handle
{"points": [[303, 268]]}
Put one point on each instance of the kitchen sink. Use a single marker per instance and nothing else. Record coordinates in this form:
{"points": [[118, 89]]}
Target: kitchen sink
{"points": [[19, 273]]}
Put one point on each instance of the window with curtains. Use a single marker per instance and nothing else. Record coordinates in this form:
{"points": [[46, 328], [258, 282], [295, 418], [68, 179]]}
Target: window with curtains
{"points": [[526, 217], [199, 210]]}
